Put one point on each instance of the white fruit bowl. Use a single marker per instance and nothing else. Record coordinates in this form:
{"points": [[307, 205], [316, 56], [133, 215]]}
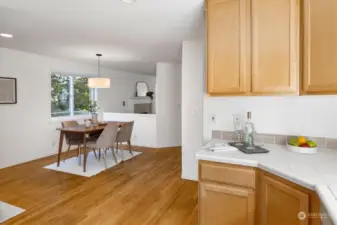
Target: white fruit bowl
{"points": [[302, 150]]}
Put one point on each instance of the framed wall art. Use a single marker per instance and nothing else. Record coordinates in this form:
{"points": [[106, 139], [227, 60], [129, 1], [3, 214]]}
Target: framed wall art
{"points": [[8, 90]]}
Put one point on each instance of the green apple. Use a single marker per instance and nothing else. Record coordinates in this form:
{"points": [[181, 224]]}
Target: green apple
{"points": [[293, 142], [312, 144]]}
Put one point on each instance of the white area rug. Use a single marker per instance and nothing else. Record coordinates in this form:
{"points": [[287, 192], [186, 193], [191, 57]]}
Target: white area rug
{"points": [[8, 211], [94, 166]]}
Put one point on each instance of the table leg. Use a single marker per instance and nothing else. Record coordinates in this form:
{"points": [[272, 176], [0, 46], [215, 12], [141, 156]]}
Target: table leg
{"points": [[60, 148], [85, 152]]}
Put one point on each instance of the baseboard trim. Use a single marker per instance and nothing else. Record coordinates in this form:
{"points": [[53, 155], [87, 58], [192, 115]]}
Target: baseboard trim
{"points": [[146, 149], [168, 148], [136, 148], [72, 153], [189, 177]]}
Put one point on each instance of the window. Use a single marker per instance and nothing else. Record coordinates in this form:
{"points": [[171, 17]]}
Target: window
{"points": [[70, 95]]}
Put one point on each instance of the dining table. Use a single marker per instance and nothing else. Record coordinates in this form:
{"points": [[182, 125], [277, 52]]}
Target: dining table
{"points": [[85, 131]]}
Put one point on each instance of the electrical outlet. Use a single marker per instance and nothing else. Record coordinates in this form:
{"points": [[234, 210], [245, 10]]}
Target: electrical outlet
{"points": [[237, 121], [237, 117], [214, 119]]}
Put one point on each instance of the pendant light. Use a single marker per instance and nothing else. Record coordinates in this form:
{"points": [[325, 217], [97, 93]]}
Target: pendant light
{"points": [[99, 82]]}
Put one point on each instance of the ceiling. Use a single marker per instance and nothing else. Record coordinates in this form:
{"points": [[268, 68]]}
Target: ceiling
{"points": [[131, 37]]}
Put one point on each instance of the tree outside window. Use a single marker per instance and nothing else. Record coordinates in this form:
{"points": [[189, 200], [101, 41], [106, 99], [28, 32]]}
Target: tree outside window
{"points": [[70, 95]]}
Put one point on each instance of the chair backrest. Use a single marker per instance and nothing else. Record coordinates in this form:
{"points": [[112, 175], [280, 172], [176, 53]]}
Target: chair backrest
{"points": [[71, 136], [108, 137], [125, 132], [71, 123]]}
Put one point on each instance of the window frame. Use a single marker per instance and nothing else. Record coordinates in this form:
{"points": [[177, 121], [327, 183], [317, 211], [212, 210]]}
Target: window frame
{"points": [[92, 97]]}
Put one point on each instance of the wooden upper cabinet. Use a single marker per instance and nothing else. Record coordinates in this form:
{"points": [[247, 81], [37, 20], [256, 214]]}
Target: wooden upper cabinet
{"points": [[221, 204], [275, 46], [280, 204], [227, 47], [320, 47]]}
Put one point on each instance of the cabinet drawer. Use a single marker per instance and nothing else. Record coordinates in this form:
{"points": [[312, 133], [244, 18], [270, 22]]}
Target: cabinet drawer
{"points": [[229, 174]]}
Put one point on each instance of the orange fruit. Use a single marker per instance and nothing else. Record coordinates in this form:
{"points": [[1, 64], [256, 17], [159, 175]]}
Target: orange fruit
{"points": [[301, 140]]}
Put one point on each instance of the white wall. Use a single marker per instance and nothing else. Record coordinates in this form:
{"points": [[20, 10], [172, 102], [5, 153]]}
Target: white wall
{"points": [[123, 87], [168, 104], [299, 115], [144, 130], [27, 132], [192, 106]]}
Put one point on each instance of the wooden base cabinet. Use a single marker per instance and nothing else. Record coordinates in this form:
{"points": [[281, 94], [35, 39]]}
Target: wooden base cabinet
{"points": [[226, 198], [281, 204], [226, 205]]}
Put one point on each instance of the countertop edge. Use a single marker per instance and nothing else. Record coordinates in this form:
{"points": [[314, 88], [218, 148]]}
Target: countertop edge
{"points": [[325, 196]]}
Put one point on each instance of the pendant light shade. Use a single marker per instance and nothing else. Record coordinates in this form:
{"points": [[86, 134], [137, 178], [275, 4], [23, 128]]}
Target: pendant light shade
{"points": [[99, 82]]}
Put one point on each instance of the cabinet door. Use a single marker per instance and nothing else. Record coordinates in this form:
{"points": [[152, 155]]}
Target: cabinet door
{"points": [[275, 46], [320, 47], [281, 204], [228, 69], [225, 205]]}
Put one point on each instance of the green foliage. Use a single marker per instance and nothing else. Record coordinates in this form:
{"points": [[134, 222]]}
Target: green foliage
{"points": [[60, 95], [81, 94]]}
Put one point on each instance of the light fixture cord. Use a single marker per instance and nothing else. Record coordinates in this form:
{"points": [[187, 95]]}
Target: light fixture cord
{"points": [[99, 66]]}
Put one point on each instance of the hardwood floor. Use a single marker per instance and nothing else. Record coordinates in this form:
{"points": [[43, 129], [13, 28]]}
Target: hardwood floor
{"points": [[144, 190]]}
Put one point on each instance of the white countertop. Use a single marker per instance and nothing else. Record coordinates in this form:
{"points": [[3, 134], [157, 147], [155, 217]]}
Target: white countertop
{"points": [[316, 172]]}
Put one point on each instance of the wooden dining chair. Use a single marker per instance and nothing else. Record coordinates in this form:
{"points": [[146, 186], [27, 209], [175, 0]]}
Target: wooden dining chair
{"points": [[73, 138], [106, 141], [125, 134]]}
